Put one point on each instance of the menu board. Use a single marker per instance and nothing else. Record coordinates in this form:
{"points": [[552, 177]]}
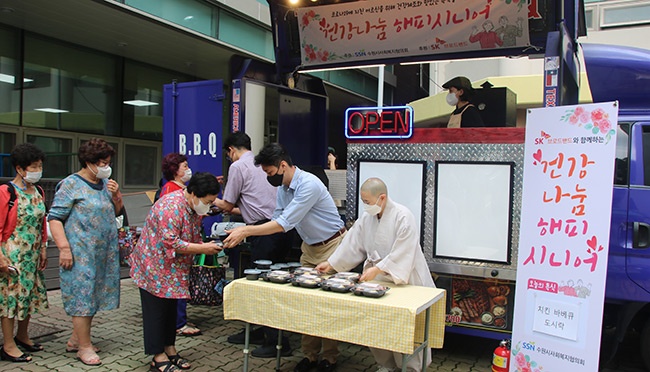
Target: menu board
{"points": [[473, 211], [404, 180]]}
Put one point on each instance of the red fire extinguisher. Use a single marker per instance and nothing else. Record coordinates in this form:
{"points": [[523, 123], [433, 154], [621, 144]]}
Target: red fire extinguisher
{"points": [[501, 357]]}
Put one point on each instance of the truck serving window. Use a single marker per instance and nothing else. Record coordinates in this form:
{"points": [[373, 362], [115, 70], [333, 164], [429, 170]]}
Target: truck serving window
{"points": [[621, 165]]}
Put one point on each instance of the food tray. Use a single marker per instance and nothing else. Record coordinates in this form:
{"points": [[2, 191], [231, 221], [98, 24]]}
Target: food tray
{"points": [[337, 285], [305, 270], [307, 281], [278, 276], [370, 290], [354, 277]]}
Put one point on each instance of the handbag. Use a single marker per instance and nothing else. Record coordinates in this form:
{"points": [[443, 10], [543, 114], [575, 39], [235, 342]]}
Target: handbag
{"points": [[127, 238], [203, 280]]}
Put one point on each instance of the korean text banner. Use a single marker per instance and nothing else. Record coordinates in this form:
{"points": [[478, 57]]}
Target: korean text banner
{"points": [[366, 30], [564, 237]]}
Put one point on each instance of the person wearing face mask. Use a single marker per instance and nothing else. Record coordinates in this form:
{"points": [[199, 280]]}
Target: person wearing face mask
{"points": [[466, 115], [161, 262], [82, 223], [386, 238], [303, 203], [249, 194], [23, 245], [177, 172]]}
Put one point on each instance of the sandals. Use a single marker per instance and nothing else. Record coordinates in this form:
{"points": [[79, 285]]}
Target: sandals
{"points": [[179, 362], [88, 357], [34, 347], [24, 358], [188, 330], [169, 366], [71, 347]]}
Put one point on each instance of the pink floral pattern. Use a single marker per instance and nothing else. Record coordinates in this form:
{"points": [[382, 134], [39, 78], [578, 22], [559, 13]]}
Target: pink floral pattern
{"points": [[313, 53], [596, 121], [522, 363]]}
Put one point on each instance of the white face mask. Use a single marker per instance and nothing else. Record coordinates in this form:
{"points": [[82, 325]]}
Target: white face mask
{"points": [[188, 174], [201, 209], [372, 210], [451, 98], [32, 177], [102, 172]]}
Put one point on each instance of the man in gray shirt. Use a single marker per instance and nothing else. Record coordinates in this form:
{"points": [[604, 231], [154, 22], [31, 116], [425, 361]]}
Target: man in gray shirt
{"points": [[248, 193]]}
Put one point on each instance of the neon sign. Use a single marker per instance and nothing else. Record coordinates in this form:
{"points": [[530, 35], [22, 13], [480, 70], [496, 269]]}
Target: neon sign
{"points": [[379, 122]]}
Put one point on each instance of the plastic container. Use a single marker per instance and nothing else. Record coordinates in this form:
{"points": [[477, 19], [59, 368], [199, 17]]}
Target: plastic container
{"points": [[263, 264], [279, 276], [354, 277], [370, 290], [307, 281], [339, 285], [305, 270], [252, 274]]}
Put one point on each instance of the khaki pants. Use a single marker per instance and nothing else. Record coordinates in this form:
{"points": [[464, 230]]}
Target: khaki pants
{"points": [[311, 256]]}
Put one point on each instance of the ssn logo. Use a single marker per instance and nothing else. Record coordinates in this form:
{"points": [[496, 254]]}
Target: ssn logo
{"points": [[528, 345], [197, 147]]}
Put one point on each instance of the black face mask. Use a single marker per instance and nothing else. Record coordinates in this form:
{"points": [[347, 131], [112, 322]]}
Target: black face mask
{"points": [[275, 180]]}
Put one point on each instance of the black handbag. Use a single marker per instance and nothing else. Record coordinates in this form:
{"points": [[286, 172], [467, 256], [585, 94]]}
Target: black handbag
{"points": [[203, 280]]}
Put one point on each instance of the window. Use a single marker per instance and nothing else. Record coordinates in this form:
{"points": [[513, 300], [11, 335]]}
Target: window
{"points": [[59, 158], [68, 89], [9, 77], [142, 99], [621, 164], [624, 15], [141, 165], [7, 143]]}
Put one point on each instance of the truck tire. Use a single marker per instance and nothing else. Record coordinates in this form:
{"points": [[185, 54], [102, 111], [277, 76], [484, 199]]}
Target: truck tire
{"points": [[645, 344]]}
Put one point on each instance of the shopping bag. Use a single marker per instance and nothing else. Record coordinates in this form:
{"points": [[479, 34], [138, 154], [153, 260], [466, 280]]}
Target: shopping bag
{"points": [[203, 280], [127, 238]]}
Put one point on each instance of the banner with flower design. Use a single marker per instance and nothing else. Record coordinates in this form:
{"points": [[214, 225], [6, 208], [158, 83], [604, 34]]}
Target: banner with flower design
{"points": [[381, 29], [564, 237]]}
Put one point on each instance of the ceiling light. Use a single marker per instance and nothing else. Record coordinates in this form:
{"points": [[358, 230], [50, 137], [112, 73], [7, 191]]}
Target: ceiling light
{"points": [[293, 2], [189, 18], [51, 110], [140, 103], [4, 78]]}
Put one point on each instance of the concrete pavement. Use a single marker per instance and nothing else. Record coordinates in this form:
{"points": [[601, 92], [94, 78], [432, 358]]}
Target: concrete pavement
{"points": [[118, 334]]}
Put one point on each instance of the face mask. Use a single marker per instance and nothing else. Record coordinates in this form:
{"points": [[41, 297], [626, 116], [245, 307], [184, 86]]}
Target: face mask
{"points": [[452, 100], [201, 209], [102, 172], [275, 180], [188, 174], [32, 177], [372, 210]]}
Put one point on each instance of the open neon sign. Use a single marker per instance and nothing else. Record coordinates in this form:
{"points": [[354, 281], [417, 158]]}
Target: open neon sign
{"points": [[379, 122]]}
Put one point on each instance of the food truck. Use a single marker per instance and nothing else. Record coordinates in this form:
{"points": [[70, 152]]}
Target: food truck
{"points": [[474, 254]]}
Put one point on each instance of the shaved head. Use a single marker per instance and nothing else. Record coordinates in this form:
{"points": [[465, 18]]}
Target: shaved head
{"points": [[374, 186]]}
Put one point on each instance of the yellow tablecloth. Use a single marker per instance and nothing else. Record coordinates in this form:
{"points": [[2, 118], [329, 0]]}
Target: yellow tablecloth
{"points": [[393, 322]]}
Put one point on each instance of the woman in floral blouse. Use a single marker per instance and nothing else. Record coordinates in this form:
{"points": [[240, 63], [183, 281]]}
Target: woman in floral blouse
{"points": [[23, 243], [161, 261]]}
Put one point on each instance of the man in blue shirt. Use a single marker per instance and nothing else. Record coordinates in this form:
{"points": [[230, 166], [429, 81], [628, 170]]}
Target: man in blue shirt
{"points": [[302, 203]]}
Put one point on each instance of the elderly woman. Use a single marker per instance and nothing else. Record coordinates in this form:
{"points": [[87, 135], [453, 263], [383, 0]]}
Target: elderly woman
{"points": [[177, 172], [23, 243], [82, 223], [161, 261]]}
